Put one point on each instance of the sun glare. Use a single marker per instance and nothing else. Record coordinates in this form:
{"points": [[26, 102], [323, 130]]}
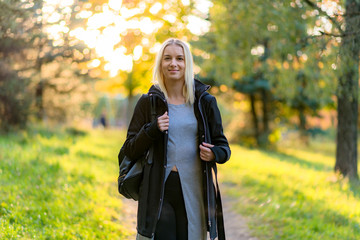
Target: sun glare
{"points": [[137, 52], [104, 29], [197, 25], [156, 8], [115, 4]]}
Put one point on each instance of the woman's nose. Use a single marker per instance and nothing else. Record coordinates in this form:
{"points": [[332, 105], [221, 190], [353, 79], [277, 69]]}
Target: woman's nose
{"points": [[173, 62]]}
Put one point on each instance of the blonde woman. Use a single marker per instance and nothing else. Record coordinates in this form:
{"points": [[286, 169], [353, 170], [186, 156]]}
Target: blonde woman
{"points": [[180, 198]]}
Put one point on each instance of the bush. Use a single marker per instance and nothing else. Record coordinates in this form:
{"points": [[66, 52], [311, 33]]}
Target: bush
{"points": [[15, 99]]}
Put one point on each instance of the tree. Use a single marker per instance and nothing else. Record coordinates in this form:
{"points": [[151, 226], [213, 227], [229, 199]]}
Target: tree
{"points": [[56, 72], [262, 49], [142, 26], [15, 39], [346, 28], [346, 147]]}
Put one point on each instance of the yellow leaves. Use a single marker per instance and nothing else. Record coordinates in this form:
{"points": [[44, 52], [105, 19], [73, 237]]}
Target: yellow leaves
{"points": [[322, 84], [238, 96], [303, 58], [320, 65], [96, 73], [237, 105], [296, 65], [286, 65], [112, 86], [235, 75], [275, 136], [223, 88], [214, 90]]}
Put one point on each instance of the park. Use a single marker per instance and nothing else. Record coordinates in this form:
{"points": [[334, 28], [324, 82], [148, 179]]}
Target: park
{"points": [[285, 75]]}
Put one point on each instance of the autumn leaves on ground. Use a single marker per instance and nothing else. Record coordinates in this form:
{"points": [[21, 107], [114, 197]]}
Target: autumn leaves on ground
{"points": [[62, 185]]}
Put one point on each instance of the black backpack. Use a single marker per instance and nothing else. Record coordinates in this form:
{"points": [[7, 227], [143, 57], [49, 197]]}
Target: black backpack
{"points": [[131, 171]]}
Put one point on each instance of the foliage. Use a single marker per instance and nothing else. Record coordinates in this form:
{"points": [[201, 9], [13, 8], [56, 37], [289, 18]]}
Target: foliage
{"points": [[14, 86], [15, 100], [39, 70], [293, 193], [137, 29], [60, 185], [61, 83], [264, 50]]}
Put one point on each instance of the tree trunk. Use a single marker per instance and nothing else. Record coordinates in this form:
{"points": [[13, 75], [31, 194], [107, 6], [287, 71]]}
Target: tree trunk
{"points": [[129, 108], [254, 118], [346, 147], [302, 125], [130, 104], [265, 119], [39, 93]]}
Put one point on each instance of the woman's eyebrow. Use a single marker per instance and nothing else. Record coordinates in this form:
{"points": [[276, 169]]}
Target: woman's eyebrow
{"points": [[168, 55]]}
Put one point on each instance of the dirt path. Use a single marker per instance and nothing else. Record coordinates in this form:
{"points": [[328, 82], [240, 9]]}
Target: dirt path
{"points": [[235, 225], [128, 220]]}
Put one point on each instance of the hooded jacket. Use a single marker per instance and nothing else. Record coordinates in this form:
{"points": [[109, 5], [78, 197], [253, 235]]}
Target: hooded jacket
{"points": [[144, 133]]}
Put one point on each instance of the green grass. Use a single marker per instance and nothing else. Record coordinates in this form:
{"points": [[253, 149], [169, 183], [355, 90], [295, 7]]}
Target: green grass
{"points": [[60, 185], [293, 193]]}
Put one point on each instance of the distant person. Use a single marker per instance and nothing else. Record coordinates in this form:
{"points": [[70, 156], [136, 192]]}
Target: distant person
{"points": [[183, 201], [103, 121]]}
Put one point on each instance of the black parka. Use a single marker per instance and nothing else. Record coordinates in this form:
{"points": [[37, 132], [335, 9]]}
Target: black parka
{"points": [[144, 133]]}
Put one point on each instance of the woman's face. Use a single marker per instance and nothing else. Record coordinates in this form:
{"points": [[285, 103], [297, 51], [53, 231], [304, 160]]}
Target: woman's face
{"points": [[173, 63]]}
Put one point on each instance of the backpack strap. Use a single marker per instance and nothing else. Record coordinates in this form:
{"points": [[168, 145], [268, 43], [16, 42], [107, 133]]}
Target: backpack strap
{"points": [[152, 107], [153, 116]]}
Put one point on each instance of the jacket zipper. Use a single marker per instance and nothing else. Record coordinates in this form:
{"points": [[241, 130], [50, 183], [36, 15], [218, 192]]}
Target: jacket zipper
{"points": [[206, 165]]}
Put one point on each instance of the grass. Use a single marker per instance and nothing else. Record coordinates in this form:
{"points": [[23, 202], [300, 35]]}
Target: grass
{"points": [[60, 185], [57, 184], [293, 193]]}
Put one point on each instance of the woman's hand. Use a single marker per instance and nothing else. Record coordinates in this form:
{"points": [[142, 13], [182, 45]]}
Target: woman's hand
{"points": [[205, 152], [163, 122]]}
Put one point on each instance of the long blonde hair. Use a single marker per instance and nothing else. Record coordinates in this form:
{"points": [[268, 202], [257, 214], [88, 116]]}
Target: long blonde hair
{"points": [[158, 76]]}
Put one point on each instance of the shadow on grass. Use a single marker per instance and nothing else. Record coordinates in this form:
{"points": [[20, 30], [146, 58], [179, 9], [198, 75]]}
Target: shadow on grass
{"points": [[57, 150], [355, 187], [296, 160], [87, 155]]}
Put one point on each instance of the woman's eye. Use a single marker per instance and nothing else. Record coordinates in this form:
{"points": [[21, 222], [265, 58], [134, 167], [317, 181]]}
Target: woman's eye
{"points": [[180, 59]]}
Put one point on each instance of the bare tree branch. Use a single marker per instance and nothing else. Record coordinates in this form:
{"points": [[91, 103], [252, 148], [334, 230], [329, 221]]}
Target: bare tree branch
{"points": [[332, 19], [354, 14], [322, 34]]}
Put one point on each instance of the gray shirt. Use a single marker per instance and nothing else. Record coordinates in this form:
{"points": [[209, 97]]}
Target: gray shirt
{"points": [[183, 152]]}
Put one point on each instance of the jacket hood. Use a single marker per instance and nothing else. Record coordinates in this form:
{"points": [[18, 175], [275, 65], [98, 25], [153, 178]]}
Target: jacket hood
{"points": [[154, 89], [200, 88]]}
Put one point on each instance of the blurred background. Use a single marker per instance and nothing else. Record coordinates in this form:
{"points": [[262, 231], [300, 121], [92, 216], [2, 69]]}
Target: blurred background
{"points": [[274, 65], [285, 74]]}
